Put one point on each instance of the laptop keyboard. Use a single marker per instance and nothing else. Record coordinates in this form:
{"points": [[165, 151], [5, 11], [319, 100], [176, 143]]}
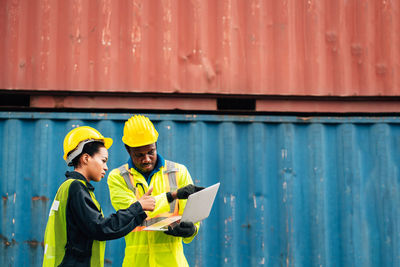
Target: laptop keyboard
{"points": [[168, 221]]}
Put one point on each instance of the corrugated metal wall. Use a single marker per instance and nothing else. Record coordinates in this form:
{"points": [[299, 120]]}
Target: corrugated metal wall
{"points": [[318, 191], [256, 47]]}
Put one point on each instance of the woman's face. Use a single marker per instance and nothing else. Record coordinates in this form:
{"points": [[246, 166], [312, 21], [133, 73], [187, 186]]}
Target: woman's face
{"points": [[97, 165]]}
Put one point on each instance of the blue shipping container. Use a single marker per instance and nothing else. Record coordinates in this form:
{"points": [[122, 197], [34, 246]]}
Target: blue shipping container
{"points": [[318, 191]]}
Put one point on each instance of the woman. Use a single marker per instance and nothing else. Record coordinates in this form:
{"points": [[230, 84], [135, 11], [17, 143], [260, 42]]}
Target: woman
{"points": [[76, 228]]}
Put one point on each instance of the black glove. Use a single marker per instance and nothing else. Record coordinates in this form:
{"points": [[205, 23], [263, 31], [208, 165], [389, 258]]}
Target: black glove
{"points": [[186, 191], [184, 229]]}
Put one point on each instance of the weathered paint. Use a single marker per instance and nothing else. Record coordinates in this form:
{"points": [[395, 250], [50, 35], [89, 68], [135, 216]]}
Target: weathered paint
{"points": [[329, 106], [140, 102], [209, 103], [295, 191], [251, 47]]}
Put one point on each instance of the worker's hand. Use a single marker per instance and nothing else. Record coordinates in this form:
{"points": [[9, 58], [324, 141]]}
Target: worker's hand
{"points": [[184, 229], [186, 191], [148, 202]]}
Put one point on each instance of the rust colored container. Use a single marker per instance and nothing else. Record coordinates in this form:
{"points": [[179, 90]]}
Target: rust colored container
{"points": [[291, 48]]}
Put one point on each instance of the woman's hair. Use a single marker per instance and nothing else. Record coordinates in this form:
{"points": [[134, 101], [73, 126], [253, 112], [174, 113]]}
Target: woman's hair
{"points": [[90, 149]]}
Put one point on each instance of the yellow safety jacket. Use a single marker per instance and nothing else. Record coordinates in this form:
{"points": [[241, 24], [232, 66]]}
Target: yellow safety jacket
{"points": [[148, 248], [55, 238]]}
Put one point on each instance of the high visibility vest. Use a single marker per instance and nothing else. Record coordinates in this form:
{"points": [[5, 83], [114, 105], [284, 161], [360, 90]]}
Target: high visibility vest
{"points": [[55, 237], [151, 248], [170, 175]]}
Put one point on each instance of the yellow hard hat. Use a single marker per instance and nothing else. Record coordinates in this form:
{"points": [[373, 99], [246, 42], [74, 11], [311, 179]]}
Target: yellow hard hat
{"points": [[139, 131], [78, 137]]}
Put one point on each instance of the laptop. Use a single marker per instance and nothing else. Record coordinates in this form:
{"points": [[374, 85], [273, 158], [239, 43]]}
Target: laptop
{"points": [[198, 207]]}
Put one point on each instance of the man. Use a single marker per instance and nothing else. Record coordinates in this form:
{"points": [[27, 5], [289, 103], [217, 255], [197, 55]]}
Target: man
{"points": [[171, 183]]}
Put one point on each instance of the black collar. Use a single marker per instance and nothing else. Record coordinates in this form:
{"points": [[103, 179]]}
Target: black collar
{"points": [[77, 175]]}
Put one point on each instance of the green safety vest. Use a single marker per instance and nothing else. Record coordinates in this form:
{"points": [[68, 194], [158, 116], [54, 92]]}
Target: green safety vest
{"points": [[55, 237]]}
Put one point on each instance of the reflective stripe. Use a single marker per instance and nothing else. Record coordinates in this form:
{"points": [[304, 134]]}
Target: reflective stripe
{"points": [[171, 172], [125, 174]]}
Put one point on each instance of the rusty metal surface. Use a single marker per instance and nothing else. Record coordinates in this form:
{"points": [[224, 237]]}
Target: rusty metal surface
{"points": [[103, 102], [255, 47], [318, 106], [210, 104], [295, 191]]}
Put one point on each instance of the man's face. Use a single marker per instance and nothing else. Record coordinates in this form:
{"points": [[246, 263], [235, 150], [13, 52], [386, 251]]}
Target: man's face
{"points": [[144, 157]]}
